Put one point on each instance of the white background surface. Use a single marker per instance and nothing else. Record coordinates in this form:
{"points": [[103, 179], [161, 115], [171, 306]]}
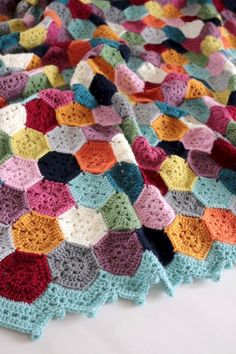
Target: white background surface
{"points": [[200, 319]]}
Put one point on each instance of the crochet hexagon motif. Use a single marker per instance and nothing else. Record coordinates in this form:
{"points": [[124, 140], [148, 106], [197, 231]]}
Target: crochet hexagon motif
{"points": [[221, 224], [212, 193], [91, 191], [50, 198], [36, 233], [177, 174], [74, 114], [12, 118], [169, 128], [56, 98], [228, 178], [200, 138], [96, 157], [152, 209], [73, 266], [13, 204], [190, 236], [97, 132], [58, 167], [106, 116], [158, 242], [29, 144], [15, 272], [119, 214], [40, 116], [20, 173], [82, 225], [185, 203], [127, 81], [66, 139], [6, 245], [148, 157], [5, 147], [202, 164], [119, 252], [126, 178]]}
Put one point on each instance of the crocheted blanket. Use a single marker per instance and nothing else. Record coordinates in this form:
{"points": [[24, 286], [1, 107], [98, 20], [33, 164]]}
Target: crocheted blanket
{"points": [[117, 152]]}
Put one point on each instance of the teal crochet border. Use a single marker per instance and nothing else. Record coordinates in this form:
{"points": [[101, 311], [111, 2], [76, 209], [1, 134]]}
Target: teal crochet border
{"points": [[184, 269], [57, 300]]}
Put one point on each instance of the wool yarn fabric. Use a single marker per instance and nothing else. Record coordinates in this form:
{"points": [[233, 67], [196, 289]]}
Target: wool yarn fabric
{"points": [[117, 152]]}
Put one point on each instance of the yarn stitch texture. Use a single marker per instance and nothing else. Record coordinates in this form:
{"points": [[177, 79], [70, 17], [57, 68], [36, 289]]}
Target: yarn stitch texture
{"points": [[117, 152]]}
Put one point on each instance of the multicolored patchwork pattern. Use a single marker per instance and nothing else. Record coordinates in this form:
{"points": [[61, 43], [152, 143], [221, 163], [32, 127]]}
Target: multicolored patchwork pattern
{"points": [[117, 152]]}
